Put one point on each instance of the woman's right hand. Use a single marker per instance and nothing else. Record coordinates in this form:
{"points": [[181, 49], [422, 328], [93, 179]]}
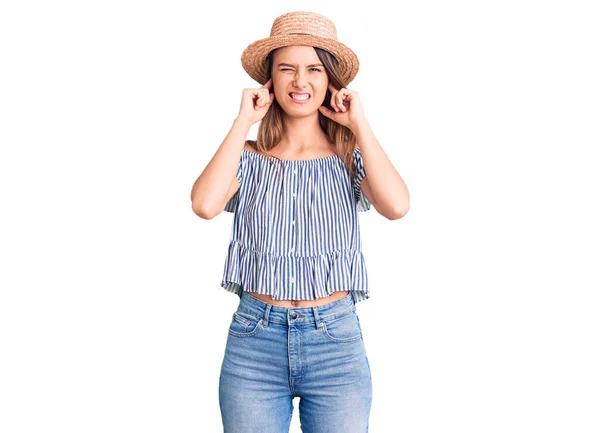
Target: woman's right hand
{"points": [[256, 102]]}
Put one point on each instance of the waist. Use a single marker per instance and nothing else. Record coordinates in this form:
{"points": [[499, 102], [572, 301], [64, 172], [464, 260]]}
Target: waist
{"points": [[300, 315], [335, 296]]}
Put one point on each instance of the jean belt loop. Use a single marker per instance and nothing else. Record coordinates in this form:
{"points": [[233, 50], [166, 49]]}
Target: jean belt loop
{"points": [[266, 318], [316, 314]]}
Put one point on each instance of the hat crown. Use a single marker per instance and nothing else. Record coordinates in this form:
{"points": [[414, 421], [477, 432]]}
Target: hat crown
{"points": [[303, 24], [300, 28]]}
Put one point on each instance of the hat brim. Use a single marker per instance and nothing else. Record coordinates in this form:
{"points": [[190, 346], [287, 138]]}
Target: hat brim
{"points": [[255, 54]]}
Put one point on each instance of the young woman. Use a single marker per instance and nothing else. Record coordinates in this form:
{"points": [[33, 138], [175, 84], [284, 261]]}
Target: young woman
{"points": [[295, 256]]}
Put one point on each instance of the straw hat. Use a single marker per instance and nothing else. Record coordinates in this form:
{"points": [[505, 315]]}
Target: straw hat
{"points": [[300, 28]]}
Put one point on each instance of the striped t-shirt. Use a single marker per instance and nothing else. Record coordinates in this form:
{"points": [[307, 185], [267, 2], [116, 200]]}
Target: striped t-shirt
{"points": [[295, 231]]}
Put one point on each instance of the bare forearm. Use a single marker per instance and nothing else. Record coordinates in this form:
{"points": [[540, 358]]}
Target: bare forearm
{"points": [[210, 189], [387, 186]]}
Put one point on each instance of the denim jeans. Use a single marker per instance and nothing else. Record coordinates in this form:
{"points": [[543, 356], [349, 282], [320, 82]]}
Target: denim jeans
{"points": [[274, 354]]}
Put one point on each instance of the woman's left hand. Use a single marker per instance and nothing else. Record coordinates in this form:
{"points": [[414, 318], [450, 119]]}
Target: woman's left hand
{"points": [[348, 108]]}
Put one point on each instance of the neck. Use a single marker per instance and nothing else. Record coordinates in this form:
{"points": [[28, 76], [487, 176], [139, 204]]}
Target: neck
{"points": [[302, 133]]}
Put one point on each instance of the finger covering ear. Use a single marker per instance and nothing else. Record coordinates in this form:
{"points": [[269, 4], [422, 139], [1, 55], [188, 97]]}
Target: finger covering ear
{"points": [[326, 111]]}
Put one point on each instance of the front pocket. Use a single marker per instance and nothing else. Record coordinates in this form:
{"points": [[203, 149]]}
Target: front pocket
{"points": [[343, 329], [244, 324]]}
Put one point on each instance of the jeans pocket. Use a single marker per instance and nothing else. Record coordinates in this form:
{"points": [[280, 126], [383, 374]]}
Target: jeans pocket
{"points": [[343, 329], [244, 324]]}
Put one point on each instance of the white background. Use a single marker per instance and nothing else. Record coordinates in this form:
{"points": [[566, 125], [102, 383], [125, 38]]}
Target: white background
{"points": [[483, 315]]}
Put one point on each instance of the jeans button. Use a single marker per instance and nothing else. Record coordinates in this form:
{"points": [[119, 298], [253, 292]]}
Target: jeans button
{"points": [[294, 315]]}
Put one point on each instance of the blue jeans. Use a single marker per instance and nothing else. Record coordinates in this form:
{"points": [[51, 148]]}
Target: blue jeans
{"points": [[274, 354]]}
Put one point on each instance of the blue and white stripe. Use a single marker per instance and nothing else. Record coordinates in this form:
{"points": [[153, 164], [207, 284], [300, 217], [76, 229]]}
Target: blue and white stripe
{"points": [[296, 232]]}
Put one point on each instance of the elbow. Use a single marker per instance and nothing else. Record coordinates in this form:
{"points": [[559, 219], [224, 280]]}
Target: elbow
{"points": [[203, 211], [401, 208], [400, 212]]}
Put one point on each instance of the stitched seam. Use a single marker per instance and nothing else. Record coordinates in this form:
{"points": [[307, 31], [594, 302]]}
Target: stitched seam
{"points": [[339, 340], [241, 319], [248, 313], [333, 316], [247, 334]]}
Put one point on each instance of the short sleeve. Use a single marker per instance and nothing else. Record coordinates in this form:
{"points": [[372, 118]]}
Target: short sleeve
{"points": [[232, 203], [362, 203]]}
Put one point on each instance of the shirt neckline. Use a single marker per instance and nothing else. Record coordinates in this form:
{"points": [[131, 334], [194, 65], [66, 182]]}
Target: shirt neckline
{"points": [[323, 158]]}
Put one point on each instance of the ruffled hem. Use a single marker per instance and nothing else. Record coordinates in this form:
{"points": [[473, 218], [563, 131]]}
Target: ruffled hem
{"points": [[317, 276]]}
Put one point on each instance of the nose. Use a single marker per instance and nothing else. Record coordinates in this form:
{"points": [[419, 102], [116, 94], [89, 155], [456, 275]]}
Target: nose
{"points": [[299, 79]]}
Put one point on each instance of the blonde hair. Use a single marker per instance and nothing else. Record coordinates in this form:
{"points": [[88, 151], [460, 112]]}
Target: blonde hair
{"points": [[270, 129]]}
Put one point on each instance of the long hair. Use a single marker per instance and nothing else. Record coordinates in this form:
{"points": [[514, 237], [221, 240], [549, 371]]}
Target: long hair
{"points": [[270, 130]]}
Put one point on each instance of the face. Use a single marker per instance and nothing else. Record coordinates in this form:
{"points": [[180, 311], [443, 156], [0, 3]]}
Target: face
{"points": [[299, 80]]}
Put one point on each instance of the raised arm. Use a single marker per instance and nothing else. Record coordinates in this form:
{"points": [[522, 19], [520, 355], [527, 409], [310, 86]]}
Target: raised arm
{"points": [[213, 188]]}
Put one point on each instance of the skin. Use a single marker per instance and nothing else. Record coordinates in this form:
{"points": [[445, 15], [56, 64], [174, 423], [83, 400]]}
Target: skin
{"points": [[382, 185], [294, 70]]}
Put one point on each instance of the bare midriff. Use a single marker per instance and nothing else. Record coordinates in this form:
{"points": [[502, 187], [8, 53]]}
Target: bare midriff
{"points": [[299, 304]]}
